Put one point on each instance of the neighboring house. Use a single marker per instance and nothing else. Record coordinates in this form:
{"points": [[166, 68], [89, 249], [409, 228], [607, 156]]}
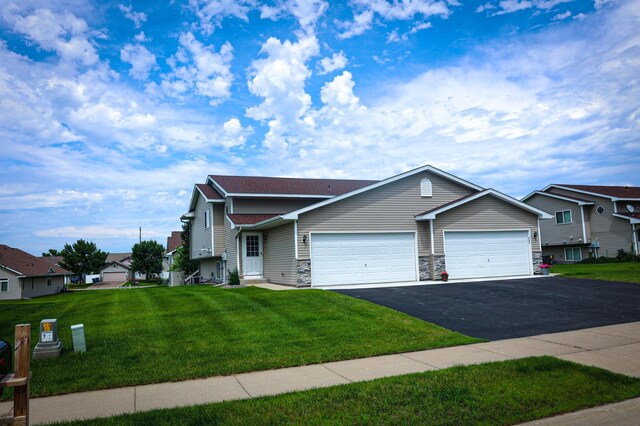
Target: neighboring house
{"points": [[117, 268], [173, 278], [24, 275], [587, 220], [317, 232]]}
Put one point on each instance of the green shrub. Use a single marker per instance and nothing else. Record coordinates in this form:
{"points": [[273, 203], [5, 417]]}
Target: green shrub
{"points": [[234, 277], [621, 257]]}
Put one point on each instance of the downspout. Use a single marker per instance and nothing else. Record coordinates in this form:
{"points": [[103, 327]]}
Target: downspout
{"points": [[584, 227], [238, 249], [433, 253], [295, 237], [635, 237]]}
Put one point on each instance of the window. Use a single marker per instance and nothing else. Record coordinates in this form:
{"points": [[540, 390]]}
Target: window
{"points": [[600, 210], [563, 217], [48, 282], [33, 283], [4, 284], [253, 246], [425, 188], [573, 254], [207, 218]]}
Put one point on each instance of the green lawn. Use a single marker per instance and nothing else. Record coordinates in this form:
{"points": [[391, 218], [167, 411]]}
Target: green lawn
{"points": [[626, 272], [169, 334], [489, 394]]}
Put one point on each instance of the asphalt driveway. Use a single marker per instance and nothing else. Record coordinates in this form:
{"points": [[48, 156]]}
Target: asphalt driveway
{"points": [[496, 310]]}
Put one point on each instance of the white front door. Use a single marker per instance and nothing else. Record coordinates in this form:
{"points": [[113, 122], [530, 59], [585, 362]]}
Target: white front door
{"points": [[252, 254]]}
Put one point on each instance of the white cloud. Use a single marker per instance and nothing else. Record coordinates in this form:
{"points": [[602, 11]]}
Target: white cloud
{"points": [[561, 16], [484, 7], [511, 6], [64, 33], [140, 37], [136, 17], [96, 231], [211, 13], [391, 11], [199, 69], [420, 27], [307, 12], [142, 61], [336, 62], [338, 94]]}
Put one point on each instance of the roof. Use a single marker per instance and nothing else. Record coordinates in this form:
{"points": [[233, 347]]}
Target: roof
{"points": [[634, 218], [116, 257], [26, 264], [607, 191], [572, 199], [274, 186], [106, 265], [174, 241], [250, 219], [431, 214], [208, 192]]}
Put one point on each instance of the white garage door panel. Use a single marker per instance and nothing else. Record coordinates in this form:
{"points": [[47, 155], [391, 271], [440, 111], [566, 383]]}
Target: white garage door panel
{"points": [[114, 276], [362, 258], [487, 254]]}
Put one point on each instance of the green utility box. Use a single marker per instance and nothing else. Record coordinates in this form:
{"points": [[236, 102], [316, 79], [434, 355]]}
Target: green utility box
{"points": [[77, 334]]}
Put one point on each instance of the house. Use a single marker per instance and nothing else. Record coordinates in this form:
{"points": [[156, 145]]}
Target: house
{"points": [[173, 278], [23, 275], [117, 268], [587, 220], [321, 232]]}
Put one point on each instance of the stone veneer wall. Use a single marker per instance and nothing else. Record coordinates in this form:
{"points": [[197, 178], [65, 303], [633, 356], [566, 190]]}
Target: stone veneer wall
{"points": [[424, 268], [438, 265], [537, 261], [304, 273]]}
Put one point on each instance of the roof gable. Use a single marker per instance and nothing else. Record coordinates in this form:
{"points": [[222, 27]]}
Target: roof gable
{"points": [[578, 201], [612, 192], [431, 214]]}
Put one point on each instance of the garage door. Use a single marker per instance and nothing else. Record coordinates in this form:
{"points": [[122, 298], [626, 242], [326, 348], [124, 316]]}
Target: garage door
{"points": [[487, 254], [362, 258], [114, 277]]}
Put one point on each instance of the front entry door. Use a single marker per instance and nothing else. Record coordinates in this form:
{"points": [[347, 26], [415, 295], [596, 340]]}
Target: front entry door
{"points": [[252, 254]]}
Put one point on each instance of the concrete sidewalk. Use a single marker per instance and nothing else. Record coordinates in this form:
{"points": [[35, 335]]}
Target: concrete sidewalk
{"points": [[612, 347]]}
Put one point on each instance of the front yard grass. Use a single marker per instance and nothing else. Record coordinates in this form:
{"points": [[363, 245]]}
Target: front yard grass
{"points": [[171, 334], [625, 272], [489, 394]]}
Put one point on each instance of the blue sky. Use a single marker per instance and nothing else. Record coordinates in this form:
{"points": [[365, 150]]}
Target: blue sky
{"points": [[111, 111]]}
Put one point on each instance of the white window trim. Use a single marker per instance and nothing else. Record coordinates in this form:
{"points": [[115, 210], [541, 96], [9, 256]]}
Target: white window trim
{"points": [[4, 280], [572, 252], [570, 217], [426, 188], [49, 282]]}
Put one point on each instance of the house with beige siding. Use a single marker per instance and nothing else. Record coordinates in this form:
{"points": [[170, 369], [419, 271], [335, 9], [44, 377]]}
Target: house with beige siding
{"points": [[324, 232], [587, 220], [23, 275]]}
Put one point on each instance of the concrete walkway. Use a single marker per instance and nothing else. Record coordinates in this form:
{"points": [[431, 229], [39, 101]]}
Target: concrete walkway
{"points": [[614, 347]]}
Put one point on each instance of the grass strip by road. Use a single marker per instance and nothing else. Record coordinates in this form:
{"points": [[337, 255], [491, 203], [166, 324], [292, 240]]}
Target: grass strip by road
{"points": [[489, 394], [170, 334], [625, 272]]}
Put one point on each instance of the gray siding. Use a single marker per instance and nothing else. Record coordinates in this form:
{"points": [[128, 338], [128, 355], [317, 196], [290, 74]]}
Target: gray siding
{"points": [[485, 213], [279, 255], [40, 287], [200, 236], [270, 205], [553, 233], [558, 252], [13, 290], [391, 207]]}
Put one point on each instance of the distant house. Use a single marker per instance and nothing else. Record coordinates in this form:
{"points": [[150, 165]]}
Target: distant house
{"points": [[587, 220], [23, 275], [117, 268], [174, 241]]}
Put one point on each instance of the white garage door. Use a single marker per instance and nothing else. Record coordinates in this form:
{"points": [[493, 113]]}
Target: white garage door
{"points": [[487, 254], [114, 277], [362, 258]]}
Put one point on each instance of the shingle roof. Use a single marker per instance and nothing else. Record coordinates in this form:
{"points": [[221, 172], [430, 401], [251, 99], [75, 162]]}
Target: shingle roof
{"points": [[447, 204], [611, 191], [116, 257], [209, 192], [174, 241], [287, 186], [250, 219], [569, 197], [27, 264]]}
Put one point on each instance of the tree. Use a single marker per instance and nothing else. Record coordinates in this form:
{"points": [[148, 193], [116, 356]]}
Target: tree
{"points": [[146, 257], [52, 253], [82, 258], [181, 261]]}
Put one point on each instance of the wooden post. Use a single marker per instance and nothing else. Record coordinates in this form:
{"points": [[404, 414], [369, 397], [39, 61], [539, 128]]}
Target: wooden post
{"points": [[21, 393]]}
